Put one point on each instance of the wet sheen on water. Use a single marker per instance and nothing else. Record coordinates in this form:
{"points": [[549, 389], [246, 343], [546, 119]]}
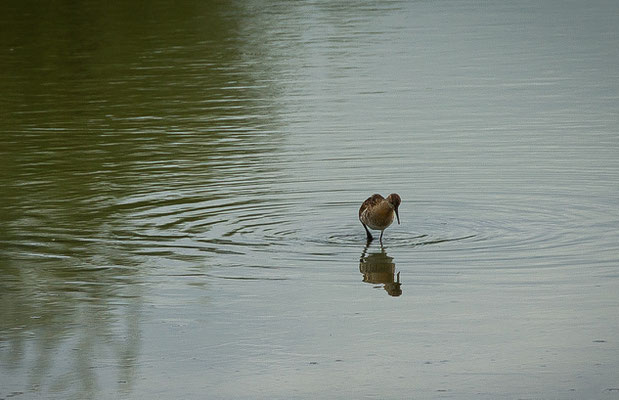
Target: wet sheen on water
{"points": [[180, 188]]}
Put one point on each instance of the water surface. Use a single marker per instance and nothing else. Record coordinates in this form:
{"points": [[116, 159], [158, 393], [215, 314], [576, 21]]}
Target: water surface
{"points": [[180, 186]]}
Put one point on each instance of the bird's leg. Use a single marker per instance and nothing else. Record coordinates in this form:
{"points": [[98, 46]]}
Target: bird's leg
{"points": [[381, 237], [367, 231]]}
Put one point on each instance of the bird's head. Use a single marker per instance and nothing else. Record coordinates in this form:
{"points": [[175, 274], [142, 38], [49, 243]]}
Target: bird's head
{"points": [[395, 200]]}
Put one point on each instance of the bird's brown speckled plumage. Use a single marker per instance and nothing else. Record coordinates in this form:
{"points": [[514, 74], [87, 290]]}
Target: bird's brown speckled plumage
{"points": [[370, 202]]}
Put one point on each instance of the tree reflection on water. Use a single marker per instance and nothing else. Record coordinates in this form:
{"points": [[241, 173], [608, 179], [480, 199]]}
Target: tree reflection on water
{"points": [[105, 104], [59, 321]]}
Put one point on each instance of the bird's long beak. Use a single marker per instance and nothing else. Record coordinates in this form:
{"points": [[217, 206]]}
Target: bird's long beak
{"points": [[397, 216]]}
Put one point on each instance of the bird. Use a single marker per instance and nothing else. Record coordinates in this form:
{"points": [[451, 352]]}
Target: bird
{"points": [[377, 212]]}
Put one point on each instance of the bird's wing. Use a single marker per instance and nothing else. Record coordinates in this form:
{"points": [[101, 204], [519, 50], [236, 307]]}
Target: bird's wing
{"points": [[370, 202]]}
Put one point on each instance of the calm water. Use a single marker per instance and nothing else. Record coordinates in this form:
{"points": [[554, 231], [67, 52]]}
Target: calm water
{"points": [[180, 186]]}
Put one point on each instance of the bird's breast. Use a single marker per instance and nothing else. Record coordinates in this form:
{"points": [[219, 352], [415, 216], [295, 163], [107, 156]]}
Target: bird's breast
{"points": [[379, 217]]}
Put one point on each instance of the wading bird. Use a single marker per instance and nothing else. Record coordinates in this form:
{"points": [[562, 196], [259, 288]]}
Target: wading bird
{"points": [[377, 213]]}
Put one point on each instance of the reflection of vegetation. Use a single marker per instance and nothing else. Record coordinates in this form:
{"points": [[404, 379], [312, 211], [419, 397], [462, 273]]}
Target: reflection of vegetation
{"points": [[110, 112], [379, 268], [69, 316]]}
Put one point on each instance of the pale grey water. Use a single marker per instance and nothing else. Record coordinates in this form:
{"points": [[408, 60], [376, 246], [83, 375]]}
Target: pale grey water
{"points": [[180, 186]]}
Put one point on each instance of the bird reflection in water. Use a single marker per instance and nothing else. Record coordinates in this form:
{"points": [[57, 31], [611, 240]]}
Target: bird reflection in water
{"points": [[379, 268]]}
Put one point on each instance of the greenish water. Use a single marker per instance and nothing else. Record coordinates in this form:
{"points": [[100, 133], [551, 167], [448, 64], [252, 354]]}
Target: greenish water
{"points": [[180, 186]]}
